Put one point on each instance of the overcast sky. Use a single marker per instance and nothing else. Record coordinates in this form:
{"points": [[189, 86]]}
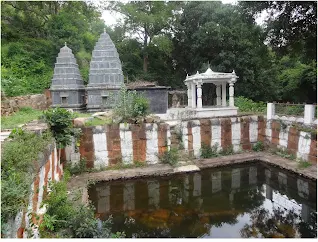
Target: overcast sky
{"points": [[112, 18]]}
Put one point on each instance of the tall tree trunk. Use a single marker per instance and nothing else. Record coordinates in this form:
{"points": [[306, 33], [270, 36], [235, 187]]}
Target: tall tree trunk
{"points": [[145, 51], [145, 67]]}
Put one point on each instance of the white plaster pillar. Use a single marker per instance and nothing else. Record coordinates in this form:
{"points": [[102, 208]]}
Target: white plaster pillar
{"points": [[199, 95], [218, 95], [224, 94], [193, 99], [231, 94], [270, 111], [309, 114], [189, 95]]}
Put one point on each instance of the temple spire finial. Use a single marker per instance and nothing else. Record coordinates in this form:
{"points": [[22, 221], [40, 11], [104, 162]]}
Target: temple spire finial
{"points": [[104, 30], [208, 64], [65, 43]]}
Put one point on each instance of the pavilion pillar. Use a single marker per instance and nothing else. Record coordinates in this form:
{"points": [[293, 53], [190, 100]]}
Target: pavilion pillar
{"points": [[224, 94], [193, 99], [218, 95], [189, 95], [199, 95], [231, 93]]}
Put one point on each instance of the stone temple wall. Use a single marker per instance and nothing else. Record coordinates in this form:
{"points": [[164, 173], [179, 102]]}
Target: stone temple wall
{"points": [[12, 104]]}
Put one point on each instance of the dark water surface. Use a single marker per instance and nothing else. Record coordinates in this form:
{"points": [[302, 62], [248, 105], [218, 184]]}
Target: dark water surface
{"points": [[252, 200]]}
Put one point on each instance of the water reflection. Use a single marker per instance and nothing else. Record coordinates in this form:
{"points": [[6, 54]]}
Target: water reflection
{"points": [[241, 201]]}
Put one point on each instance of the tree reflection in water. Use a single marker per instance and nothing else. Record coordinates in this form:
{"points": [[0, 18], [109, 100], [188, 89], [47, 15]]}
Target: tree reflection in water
{"points": [[279, 224]]}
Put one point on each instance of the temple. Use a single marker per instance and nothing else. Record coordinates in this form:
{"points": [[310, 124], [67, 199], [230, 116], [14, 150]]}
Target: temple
{"points": [[67, 87], [105, 75]]}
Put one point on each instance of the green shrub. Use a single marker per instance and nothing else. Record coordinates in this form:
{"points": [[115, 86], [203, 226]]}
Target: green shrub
{"points": [[66, 218], [60, 121], [170, 157], [283, 153], [129, 104], [248, 105], [17, 169], [259, 146], [227, 151], [77, 168], [208, 151]]}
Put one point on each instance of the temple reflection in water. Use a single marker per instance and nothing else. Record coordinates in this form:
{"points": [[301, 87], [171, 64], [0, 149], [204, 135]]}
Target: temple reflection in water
{"points": [[223, 202]]}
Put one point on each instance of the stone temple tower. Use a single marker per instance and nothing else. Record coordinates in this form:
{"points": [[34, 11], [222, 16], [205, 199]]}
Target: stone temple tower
{"points": [[67, 88], [105, 75]]}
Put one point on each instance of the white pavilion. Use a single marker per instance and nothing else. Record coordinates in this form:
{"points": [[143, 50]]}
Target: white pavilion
{"points": [[220, 80]]}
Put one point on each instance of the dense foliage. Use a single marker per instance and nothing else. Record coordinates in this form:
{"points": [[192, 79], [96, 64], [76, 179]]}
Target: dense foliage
{"points": [[129, 105], [164, 41], [68, 218], [17, 170], [60, 122]]}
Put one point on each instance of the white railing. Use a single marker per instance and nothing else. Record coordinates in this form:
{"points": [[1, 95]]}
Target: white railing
{"points": [[308, 116]]}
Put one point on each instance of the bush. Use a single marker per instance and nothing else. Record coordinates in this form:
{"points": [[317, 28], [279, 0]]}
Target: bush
{"points": [[170, 157], [259, 146], [248, 105], [77, 168], [208, 151], [17, 169], [66, 219], [60, 121], [129, 104]]}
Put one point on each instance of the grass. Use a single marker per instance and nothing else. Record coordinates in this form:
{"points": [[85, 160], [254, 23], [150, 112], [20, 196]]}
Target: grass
{"points": [[82, 115], [23, 116], [97, 121], [303, 164], [120, 166]]}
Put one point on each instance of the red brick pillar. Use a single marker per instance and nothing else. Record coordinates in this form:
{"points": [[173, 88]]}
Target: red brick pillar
{"points": [[87, 146], [139, 142], [205, 132], [226, 133], [113, 143]]}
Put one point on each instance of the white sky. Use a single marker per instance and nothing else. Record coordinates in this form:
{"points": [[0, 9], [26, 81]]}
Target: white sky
{"points": [[111, 18]]}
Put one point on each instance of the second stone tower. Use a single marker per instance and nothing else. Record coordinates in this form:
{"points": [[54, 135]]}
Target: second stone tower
{"points": [[105, 75]]}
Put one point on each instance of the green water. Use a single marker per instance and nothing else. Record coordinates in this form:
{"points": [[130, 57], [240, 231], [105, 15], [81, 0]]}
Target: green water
{"points": [[231, 202]]}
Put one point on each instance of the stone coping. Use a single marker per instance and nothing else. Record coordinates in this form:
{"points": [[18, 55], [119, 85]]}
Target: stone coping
{"points": [[83, 180]]}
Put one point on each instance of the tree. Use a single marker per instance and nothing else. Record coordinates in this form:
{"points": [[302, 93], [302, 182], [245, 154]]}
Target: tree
{"points": [[218, 33], [291, 25], [149, 21]]}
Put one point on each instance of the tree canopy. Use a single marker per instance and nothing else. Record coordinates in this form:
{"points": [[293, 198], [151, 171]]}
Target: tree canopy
{"points": [[165, 41]]}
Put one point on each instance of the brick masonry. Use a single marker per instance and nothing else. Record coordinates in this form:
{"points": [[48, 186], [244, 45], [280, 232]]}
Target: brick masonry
{"points": [[147, 142]]}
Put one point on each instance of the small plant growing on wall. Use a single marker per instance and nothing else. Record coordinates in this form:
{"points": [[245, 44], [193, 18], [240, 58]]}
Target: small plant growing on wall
{"points": [[208, 151], [259, 146], [60, 122], [170, 157]]}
